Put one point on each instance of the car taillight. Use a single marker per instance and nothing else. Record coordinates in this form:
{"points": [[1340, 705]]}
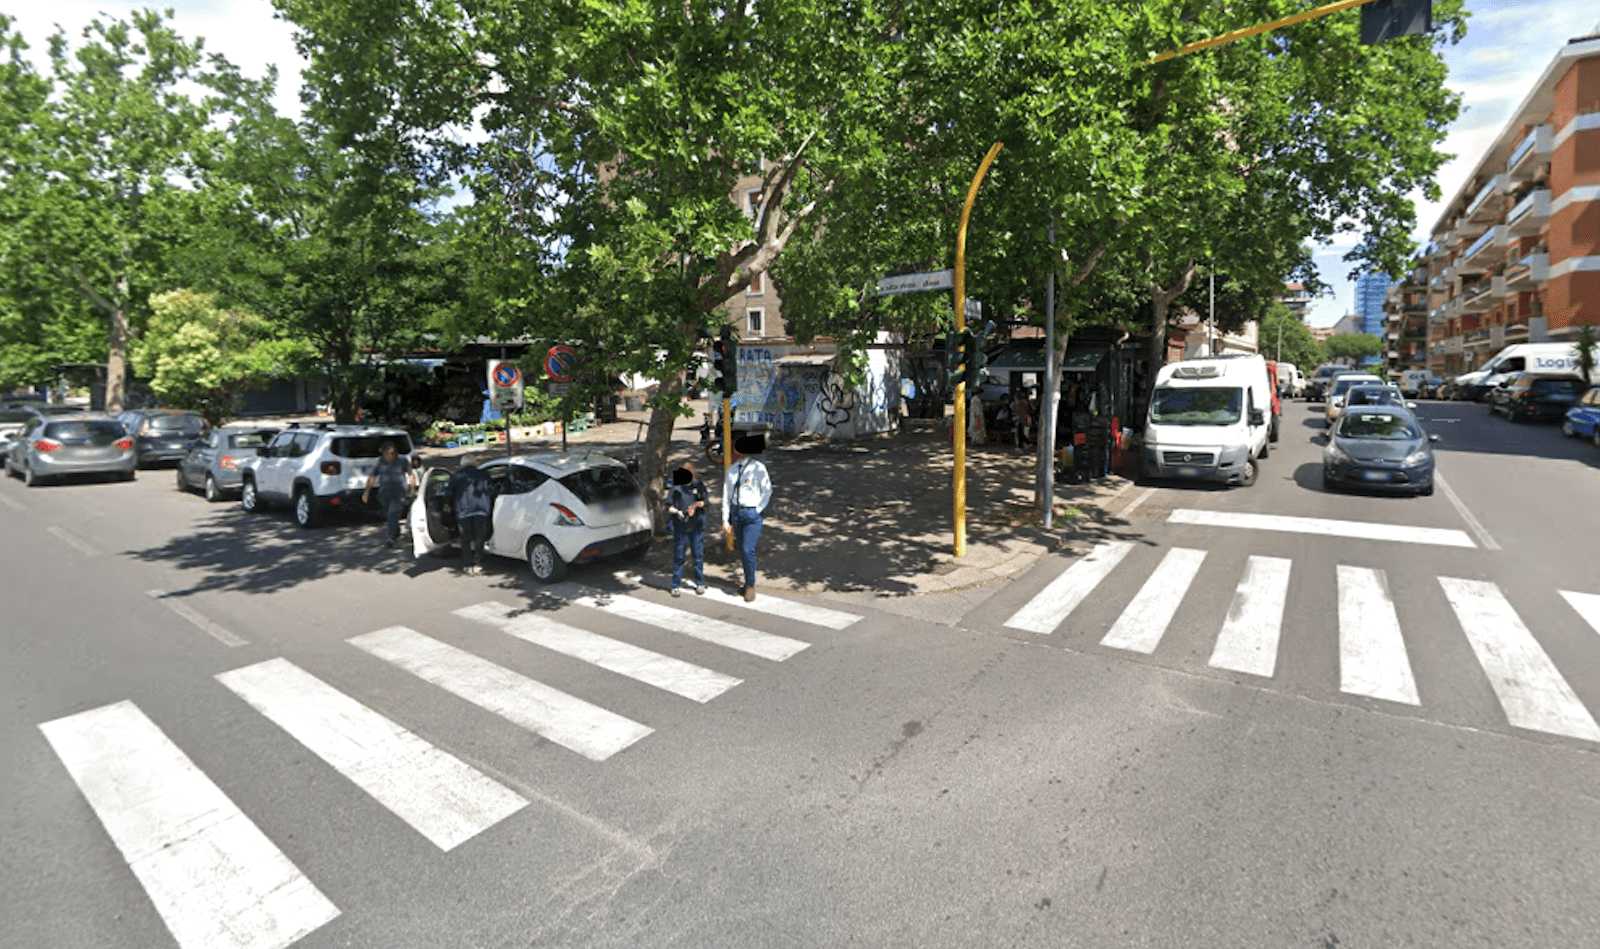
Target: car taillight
{"points": [[46, 445], [416, 461], [330, 467], [122, 444], [229, 463], [565, 517]]}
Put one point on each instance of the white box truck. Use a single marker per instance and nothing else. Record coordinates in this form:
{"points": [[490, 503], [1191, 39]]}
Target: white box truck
{"points": [[1209, 420], [1520, 357]]}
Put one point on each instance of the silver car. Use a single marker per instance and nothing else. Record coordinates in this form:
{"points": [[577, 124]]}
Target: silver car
{"points": [[81, 443], [212, 463]]}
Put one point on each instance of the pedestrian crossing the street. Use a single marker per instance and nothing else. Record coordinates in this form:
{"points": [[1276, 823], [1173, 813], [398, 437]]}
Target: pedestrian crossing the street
{"points": [[216, 879], [1373, 655]]}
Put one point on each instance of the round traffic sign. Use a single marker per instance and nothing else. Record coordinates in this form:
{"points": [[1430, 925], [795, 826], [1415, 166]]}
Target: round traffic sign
{"points": [[506, 376], [558, 363]]}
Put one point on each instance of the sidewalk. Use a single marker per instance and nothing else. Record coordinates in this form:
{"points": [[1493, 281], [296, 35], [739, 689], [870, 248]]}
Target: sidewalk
{"points": [[871, 521]]}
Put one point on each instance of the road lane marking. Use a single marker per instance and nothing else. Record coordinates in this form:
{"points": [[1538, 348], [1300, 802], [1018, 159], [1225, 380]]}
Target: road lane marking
{"points": [[1587, 605], [729, 635], [1133, 505], [1363, 530], [785, 609], [189, 613], [1145, 621], [444, 799], [75, 542], [570, 722], [1478, 531], [1530, 689], [663, 672], [1372, 651], [13, 504], [214, 877], [1050, 606], [1249, 638]]}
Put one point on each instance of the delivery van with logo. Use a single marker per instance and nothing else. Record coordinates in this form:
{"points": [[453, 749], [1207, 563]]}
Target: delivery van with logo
{"points": [[1209, 420], [1520, 357]]}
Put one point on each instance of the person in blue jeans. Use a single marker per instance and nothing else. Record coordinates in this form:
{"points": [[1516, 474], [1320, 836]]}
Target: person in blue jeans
{"points": [[746, 490], [686, 513], [395, 481]]}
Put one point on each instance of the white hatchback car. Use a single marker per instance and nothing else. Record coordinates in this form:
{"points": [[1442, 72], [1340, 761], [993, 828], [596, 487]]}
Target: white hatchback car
{"points": [[553, 509], [1338, 385]]}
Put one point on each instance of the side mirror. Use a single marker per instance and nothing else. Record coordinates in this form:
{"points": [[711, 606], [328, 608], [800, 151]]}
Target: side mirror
{"points": [[264, 451], [1433, 438], [1257, 417]]}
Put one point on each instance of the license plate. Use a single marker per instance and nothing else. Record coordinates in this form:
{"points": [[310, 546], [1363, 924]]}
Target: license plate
{"points": [[1375, 475], [1189, 472]]}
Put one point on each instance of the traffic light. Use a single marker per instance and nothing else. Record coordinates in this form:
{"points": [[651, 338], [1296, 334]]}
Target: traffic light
{"points": [[723, 356], [955, 358], [1390, 19], [975, 358]]}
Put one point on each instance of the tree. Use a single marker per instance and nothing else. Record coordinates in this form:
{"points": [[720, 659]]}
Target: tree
{"points": [[1587, 349], [200, 355], [1353, 347], [1285, 339], [106, 178]]}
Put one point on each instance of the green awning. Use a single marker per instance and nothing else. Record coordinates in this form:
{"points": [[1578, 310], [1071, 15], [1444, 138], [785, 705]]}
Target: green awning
{"points": [[1084, 358], [1025, 358]]}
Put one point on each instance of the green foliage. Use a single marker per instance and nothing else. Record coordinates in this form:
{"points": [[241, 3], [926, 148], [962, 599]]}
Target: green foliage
{"points": [[199, 355], [1352, 346], [1588, 351], [1284, 338]]}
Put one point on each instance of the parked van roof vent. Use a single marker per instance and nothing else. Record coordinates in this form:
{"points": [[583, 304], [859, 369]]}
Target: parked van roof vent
{"points": [[1197, 372]]}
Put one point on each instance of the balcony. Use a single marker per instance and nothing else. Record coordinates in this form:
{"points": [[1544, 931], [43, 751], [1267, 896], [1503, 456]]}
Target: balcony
{"points": [[1529, 153], [1531, 213], [1528, 271], [1516, 332], [1493, 237], [1481, 296], [1481, 335], [1482, 209]]}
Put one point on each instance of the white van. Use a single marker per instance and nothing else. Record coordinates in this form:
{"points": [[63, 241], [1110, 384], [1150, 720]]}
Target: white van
{"points": [[1412, 382], [1530, 357], [1209, 419]]}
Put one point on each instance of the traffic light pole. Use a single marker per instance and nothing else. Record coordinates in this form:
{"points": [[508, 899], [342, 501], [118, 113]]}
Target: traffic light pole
{"points": [[959, 432], [727, 450]]}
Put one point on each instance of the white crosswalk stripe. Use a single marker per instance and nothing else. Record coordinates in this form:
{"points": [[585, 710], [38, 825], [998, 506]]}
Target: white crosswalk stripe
{"points": [[213, 876], [1587, 605], [444, 799], [1249, 639], [720, 632], [1050, 607], [1372, 652], [785, 609], [1530, 689], [1145, 621], [570, 722], [663, 672]]}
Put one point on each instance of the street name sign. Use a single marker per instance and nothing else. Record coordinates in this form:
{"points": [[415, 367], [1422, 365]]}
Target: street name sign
{"points": [[914, 282]]}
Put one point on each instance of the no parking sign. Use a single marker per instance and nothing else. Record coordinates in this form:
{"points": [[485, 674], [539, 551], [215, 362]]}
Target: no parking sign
{"points": [[505, 386]]}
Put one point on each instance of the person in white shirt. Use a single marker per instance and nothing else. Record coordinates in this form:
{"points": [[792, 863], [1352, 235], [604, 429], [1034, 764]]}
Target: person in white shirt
{"points": [[746, 489]]}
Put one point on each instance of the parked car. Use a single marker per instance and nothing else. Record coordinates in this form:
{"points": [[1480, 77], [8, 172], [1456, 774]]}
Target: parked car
{"points": [[554, 509], [317, 470], [1433, 387], [1375, 395], [1537, 395], [1337, 387], [1583, 419], [1381, 447], [1209, 419], [212, 463], [1317, 385], [13, 420], [163, 435], [76, 443]]}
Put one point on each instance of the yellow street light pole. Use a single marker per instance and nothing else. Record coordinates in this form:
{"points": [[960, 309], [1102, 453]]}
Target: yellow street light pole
{"points": [[1254, 30], [959, 433]]}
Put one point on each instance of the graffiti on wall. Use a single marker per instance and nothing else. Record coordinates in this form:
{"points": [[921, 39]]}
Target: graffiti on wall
{"points": [[806, 398]]}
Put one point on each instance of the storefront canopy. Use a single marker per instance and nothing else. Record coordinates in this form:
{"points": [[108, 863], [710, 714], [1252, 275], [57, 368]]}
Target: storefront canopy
{"points": [[1024, 358]]}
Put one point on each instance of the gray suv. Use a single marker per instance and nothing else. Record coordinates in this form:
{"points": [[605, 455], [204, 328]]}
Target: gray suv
{"points": [[317, 470]]}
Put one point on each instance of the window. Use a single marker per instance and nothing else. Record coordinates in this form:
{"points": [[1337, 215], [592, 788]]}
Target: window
{"points": [[753, 319], [246, 440], [1196, 406], [752, 202], [758, 285], [370, 446], [601, 485]]}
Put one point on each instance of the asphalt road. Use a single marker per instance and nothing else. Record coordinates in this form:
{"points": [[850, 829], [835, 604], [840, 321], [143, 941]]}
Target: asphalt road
{"points": [[1340, 732]]}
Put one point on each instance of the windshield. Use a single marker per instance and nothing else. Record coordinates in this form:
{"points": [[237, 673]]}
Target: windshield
{"points": [[249, 439], [94, 432], [1197, 406], [1556, 387], [1375, 395], [370, 446], [1378, 425], [1341, 386], [187, 424]]}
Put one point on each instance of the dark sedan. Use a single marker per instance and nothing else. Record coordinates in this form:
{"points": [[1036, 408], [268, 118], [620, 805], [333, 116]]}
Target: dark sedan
{"points": [[163, 435], [1537, 395], [1380, 447], [212, 464]]}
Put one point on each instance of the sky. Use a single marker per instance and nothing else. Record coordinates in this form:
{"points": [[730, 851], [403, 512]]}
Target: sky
{"points": [[1508, 45]]}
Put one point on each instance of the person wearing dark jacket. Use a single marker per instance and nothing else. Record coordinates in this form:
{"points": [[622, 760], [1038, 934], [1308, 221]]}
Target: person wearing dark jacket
{"points": [[686, 513], [472, 495]]}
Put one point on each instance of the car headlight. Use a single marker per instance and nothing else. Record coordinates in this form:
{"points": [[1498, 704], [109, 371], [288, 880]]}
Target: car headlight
{"points": [[1418, 457], [1335, 453]]}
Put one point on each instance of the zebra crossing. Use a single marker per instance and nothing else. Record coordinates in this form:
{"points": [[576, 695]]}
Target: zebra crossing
{"points": [[1374, 659], [215, 878]]}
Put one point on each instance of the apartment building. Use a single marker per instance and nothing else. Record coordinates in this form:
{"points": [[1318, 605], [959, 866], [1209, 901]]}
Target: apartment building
{"points": [[756, 313], [1405, 310], [1371, 289], [1515, 256]]}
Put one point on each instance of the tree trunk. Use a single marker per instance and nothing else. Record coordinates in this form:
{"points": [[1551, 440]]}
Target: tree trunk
{"points": [[117, 353], [1160, 301], [658, 446]]}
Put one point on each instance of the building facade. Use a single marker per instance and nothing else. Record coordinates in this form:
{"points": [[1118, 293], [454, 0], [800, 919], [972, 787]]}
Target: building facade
{"points": [[1405, 333], [1515, 256], [1371, 289]]}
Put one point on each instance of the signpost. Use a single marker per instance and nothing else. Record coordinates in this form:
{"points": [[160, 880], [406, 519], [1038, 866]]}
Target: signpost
{"points": [[558, 363], [505, 392]]}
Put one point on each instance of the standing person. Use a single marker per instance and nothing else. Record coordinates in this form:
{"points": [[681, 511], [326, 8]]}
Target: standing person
{"points": [[472, 494], [395, 480], [686, 505], [1024, 414], [975, 433], [745, 493]]}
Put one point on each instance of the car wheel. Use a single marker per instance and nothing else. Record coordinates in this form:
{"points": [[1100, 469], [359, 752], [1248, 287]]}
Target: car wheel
{"points": [[1597, 436], [12, 471], [305, 509], [183, 483], [128, 475], [249, 501], [1252, 470], [29, 478], [547, 565], [1566, 429], [1265, 448], [213, 493]]}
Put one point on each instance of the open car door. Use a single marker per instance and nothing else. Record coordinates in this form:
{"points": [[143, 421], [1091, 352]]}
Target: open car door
{"points": [[432, 527]]}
